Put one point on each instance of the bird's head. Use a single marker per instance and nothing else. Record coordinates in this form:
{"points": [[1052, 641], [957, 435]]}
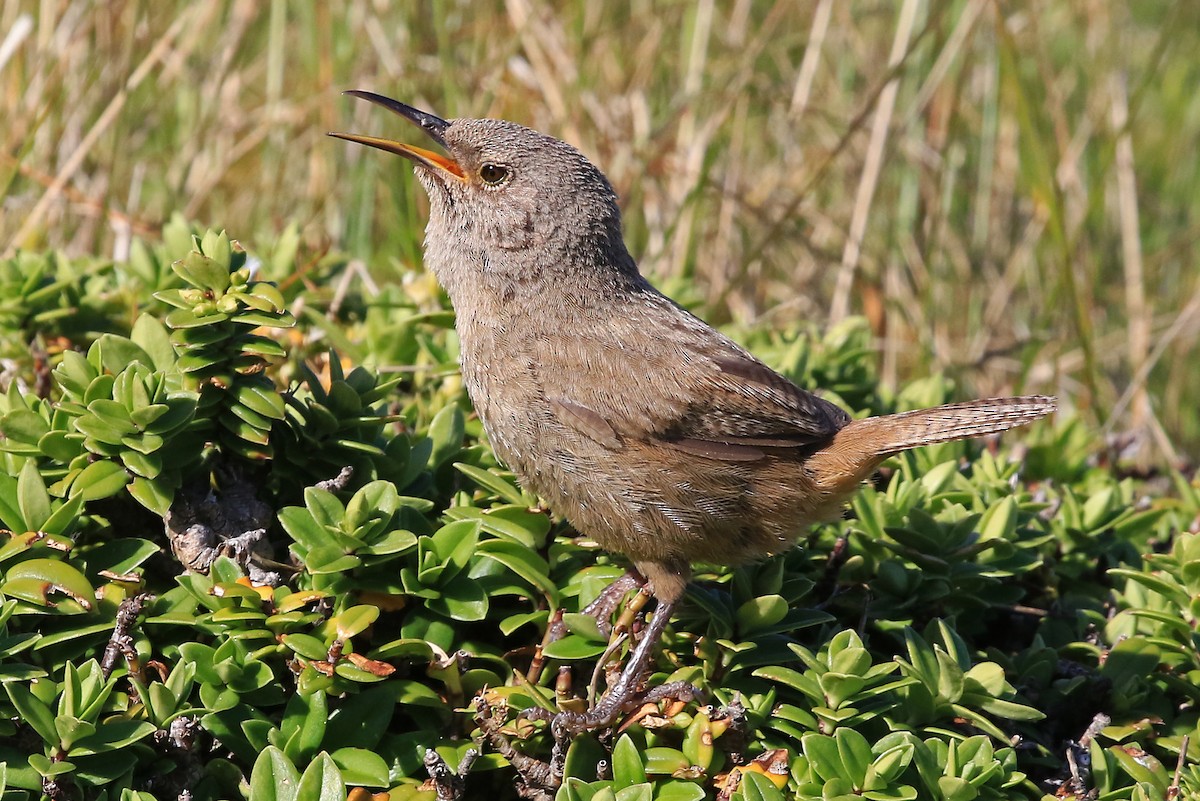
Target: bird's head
{"points": [[507, 199]]}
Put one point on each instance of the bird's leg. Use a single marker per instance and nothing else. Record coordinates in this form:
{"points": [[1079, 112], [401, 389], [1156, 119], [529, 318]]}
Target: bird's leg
{"points": [[610, 598], [625, 689], [603, 606]]}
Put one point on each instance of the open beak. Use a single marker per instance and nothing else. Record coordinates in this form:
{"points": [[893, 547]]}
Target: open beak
{"points": [[431, 124]]}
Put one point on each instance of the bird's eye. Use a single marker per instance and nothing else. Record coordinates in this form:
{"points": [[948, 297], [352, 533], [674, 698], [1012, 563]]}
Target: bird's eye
{"points": [[493, 174]]}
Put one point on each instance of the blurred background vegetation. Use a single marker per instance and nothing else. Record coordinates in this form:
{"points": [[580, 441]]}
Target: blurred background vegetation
{"points": [[1006, 190]]}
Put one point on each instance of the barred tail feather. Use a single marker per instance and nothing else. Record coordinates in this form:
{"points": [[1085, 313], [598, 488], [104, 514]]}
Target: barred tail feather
{"points": [[859, 447]]}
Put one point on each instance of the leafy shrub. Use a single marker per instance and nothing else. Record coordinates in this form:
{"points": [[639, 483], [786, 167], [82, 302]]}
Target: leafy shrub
{"points": [[359, 592]]}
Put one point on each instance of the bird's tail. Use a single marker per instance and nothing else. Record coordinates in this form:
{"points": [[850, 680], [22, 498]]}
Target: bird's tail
{"points": [[861, 445]]}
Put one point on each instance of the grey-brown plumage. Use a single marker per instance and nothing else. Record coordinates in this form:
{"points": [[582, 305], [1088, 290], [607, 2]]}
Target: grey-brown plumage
{"points": [[650, 431]]}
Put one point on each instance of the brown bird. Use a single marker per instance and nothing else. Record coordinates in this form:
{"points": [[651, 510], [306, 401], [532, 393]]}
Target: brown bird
{"points": [[650, 431]]}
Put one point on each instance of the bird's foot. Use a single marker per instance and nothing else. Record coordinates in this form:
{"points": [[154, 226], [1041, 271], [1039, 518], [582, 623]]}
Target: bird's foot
{"points": [[622, 693]]}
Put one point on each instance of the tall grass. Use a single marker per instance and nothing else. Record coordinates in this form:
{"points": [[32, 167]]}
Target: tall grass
{"points": [[1007, 190]]}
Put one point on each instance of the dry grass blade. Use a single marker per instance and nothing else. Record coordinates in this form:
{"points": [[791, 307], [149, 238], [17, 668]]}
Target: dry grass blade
{"points": [[994, 191], [840, 306]]}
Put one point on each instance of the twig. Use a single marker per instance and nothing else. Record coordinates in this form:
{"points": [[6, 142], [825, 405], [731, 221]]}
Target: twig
{"points": [[448, 784], [121, 642], [1079, 762], [1173, 790], [338, 482], [536, 780]]}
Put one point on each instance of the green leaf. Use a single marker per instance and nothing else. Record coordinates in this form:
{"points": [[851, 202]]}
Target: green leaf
{"points": [[662, 761], [70, 729], [322, 781], [303, 725], [152, 336], [455, 543], [113, 735], [999, 521], [573, 647], [48, 575], [63, 519], [100, 479], [95, 428], [120, 555], [274, 777], [504, 489], [822, 753], [855, 754], [757, 787], [446, 430], [524, 562], [627, 766], [307, 646], [677, 790], [32, 498], [49, 769], [761, 613], [517, 524], [461, 600], [355, 620], [61, 446], [112, 413], [261, 399], [1007, 709], [953, 788], [324, 506], [22, 425], [304, 529], [361, 720], [202, 272], [33, 711], [155, 494], [636, 792], [253, 317], [362, 767]]}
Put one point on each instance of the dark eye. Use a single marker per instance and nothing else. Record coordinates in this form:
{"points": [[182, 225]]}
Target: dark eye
{"points": [[493, 174]]}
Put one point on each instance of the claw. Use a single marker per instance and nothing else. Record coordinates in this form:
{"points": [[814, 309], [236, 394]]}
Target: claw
{"points": [[624, 691]]}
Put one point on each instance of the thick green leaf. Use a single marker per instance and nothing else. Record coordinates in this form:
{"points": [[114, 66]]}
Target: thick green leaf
{"points": [[462, 599], [274, 777], [503, 488], [155, 494], [32, 498], [446, 431], [760, 613], [22, 425], [757, 787], [100, 479], [33, 711], [322, 781], [303, 725], [627, 766], [362, 767], [113, 735], [46, 576], [524, 562], [573, 647]]}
